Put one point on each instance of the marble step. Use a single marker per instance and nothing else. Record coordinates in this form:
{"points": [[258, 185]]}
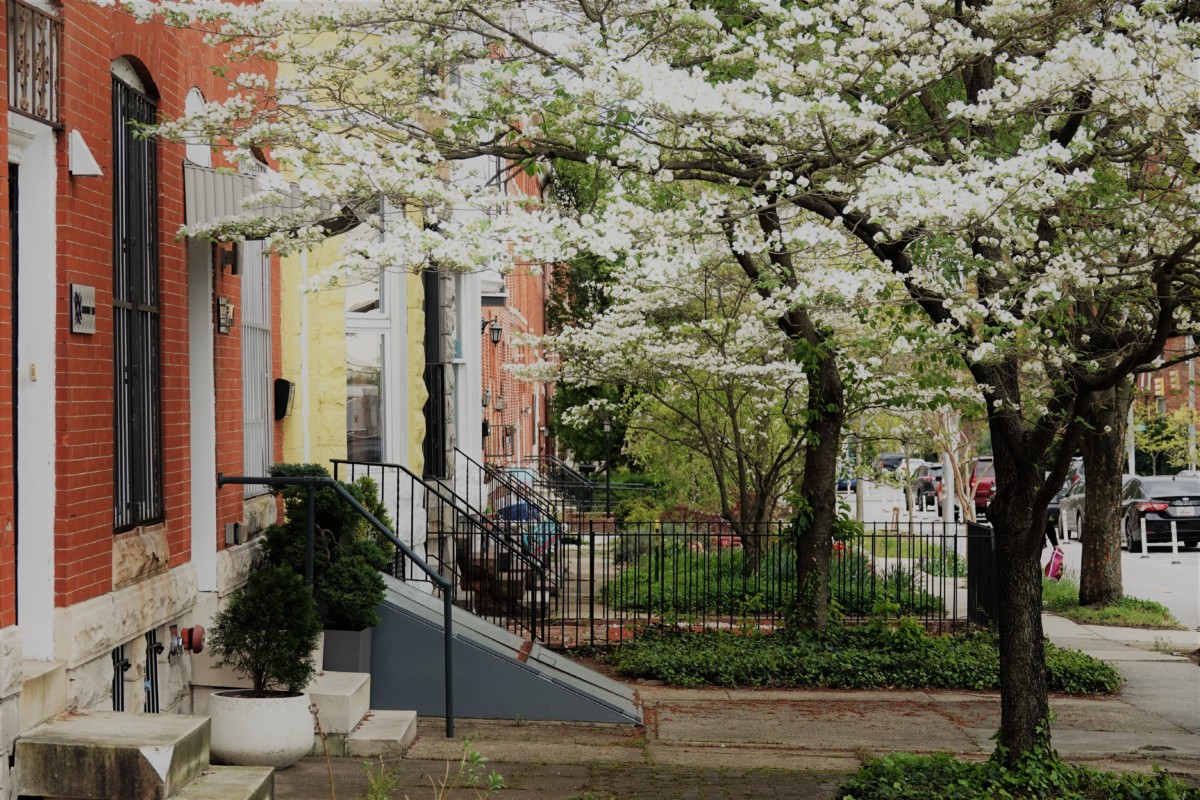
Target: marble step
{"points": [[230, 783], [383, 733], [111, 755]]}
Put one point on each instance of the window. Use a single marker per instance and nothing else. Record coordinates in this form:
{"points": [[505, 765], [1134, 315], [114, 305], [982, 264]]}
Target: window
{"points": [[1160, 405], [364, 396], [257, 397], [138, 489]]}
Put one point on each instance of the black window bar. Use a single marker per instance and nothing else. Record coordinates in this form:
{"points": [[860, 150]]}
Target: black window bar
{"points": [[153, 649], [138, 489], [435, 422], [120, 667]]}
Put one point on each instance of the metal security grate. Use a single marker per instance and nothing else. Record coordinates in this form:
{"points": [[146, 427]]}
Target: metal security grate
{"points": [[34, 42], [435, 421], [257, 395], [136, 347], [120, 667], [153, 649]]}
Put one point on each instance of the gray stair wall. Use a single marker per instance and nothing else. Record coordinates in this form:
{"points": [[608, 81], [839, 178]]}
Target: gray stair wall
{"points": [[491, 681]]}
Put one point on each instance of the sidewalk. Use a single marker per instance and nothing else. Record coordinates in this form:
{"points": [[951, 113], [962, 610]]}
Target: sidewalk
{"points": [[718, 743]]}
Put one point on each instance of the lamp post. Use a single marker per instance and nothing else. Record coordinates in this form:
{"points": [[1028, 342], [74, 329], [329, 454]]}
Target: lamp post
{"points": [[607, 472]]}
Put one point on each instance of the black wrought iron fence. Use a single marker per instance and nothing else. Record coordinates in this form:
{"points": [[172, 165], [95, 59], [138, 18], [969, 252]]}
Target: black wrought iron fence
{"points": [[704, 574]]}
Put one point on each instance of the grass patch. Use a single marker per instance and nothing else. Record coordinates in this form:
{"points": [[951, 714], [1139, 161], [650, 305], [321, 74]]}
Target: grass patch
{"points": [[671, 580], [873, 656], [1036, 777], [926, 555], [1062, 597]]}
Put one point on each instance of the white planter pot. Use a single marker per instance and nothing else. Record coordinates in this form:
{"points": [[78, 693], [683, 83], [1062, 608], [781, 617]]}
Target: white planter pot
{"points": [[260, 731]]}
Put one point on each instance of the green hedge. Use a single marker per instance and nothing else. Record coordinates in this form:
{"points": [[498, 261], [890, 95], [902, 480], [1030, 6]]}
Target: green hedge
{"points": [[868, 657], [1036, 777], [669, 579]]}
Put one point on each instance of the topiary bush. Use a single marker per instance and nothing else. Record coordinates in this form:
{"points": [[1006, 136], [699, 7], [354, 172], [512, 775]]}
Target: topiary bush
{"points": [[348, 553], [268, 630]]}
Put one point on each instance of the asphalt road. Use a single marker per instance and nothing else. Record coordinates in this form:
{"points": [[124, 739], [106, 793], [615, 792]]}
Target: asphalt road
{"points": [[1151, 576]]}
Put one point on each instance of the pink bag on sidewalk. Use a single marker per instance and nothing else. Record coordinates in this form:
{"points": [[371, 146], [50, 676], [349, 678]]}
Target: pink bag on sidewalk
{"points": [[1054, 567]]}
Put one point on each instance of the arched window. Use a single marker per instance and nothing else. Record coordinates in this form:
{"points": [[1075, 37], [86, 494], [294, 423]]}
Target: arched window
{"points": [[137, 349]]}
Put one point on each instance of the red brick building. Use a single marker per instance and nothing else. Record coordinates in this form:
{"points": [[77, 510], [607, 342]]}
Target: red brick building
{"points": [[132, 368], [517, 412]]}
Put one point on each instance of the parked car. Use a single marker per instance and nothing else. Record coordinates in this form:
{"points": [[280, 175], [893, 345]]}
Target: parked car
{"points": [[1071, 506], [847, 484], [983, 482], [1075, 471], [924, 483], [1070, 511], [887, 462], [1160, 500]]}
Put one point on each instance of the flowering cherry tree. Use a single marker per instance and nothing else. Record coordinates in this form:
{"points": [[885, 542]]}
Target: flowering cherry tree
{"points": [[1027, 171]]}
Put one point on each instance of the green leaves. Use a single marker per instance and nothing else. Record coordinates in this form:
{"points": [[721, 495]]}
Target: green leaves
{"points": [[1037, 776], [871, 657]]}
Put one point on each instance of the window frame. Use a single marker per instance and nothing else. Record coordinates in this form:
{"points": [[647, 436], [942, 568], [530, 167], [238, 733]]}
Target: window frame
{"points": [[138, 487]]}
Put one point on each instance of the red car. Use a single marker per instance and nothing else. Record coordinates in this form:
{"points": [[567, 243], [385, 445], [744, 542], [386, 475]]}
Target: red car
{"points": [[983, 482]]}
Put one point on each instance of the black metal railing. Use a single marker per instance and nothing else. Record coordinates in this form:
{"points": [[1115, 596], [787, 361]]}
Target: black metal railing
{"points": [[494, 571], [704, 574], [510, 496], [568, 482], [404, 551], [34, 56]]}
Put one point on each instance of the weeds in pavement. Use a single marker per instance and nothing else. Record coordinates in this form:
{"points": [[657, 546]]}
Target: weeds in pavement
{"points": [[472, 774]]}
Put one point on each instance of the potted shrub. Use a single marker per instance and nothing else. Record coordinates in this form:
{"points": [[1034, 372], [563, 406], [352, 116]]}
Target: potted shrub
{"points": [[348, 555], [266, 632]]}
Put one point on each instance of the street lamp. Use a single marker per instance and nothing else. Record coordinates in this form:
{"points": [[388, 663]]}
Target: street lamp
{"points": [[607, 472]]}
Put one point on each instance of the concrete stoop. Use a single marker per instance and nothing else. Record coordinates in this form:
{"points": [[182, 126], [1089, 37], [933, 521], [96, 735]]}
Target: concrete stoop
{"points": [[349, 727], [112, 755]]}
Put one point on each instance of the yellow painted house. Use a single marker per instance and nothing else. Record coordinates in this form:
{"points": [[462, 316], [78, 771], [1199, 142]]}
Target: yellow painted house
{"points": [[354, 348]]}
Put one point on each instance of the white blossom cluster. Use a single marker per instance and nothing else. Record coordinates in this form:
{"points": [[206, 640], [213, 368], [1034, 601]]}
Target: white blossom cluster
{"points": [[1023, 173]]}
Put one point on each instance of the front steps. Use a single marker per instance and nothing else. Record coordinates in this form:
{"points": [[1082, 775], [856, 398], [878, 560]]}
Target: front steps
{"points": [[349, 727], [113, 755]]}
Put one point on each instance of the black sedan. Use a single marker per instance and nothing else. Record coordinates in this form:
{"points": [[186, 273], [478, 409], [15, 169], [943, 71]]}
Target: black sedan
{"points": [[1160, 501]]}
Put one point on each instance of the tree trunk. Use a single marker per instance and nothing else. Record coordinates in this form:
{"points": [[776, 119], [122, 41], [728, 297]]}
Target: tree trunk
{"points": [[818, 492], [1103, 461], [1019, 528]]}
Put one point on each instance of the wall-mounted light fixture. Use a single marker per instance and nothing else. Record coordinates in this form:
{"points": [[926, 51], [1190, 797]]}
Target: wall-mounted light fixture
{"points": [[496, 330], [227, 257], [500, 403], [487, 397], [285, 396]]}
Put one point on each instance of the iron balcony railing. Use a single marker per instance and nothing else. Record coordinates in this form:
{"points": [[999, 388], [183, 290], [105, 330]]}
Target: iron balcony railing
{"points": [[34, 52]]}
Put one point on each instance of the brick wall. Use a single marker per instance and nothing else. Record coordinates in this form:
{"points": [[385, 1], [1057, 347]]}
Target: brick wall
{"points": [[170, 62]]}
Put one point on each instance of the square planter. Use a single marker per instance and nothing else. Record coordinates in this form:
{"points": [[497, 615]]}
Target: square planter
{"points": [[347, 651]]}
